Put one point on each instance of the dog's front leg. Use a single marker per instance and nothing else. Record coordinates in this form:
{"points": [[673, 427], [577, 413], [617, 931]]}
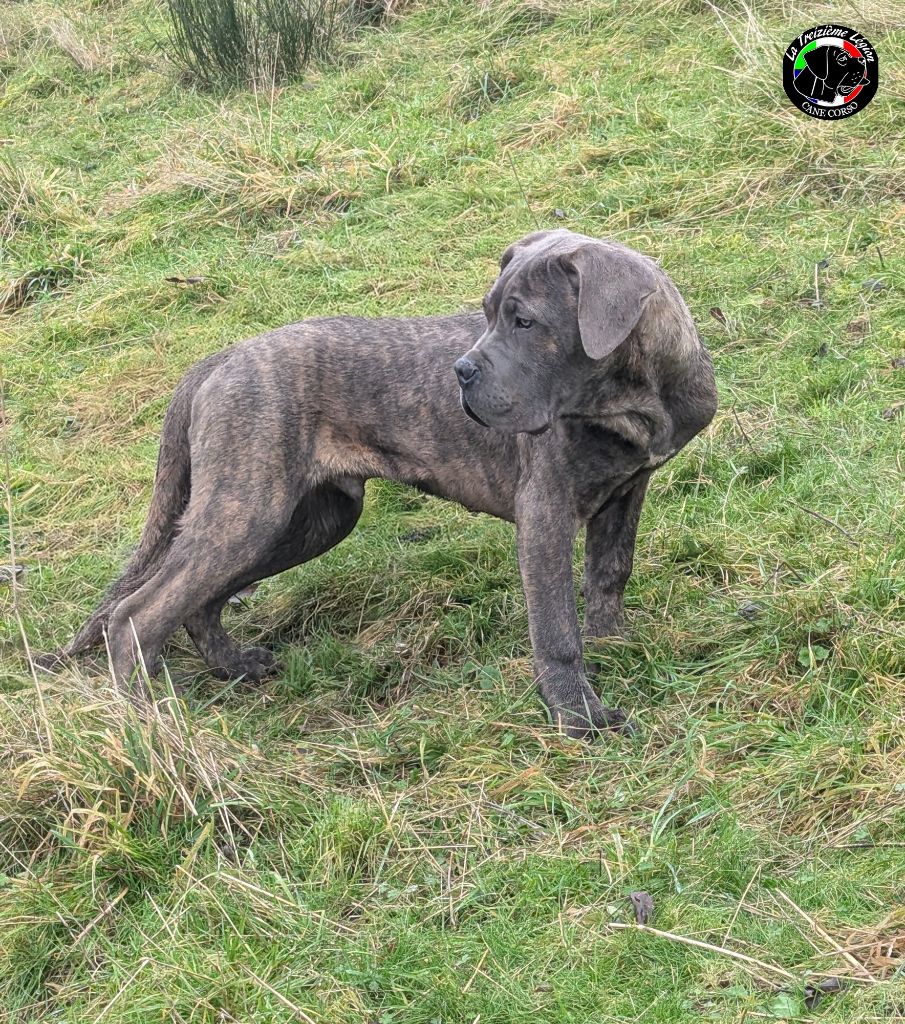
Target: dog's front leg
{"points": [[546, 536], [609, 554]]}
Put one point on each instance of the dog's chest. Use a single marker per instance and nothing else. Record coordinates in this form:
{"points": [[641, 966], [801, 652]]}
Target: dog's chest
{"points": [[594, 464], [591, 498]]}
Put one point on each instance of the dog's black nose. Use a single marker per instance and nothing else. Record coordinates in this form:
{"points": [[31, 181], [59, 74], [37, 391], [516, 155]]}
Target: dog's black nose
{"points": [[466, 371]]}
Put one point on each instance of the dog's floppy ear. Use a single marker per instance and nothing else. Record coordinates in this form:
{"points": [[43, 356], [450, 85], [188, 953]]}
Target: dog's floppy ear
{"points": [[818, 60], [613, 287]]}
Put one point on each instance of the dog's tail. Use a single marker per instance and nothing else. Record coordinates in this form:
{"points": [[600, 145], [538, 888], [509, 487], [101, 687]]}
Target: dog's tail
{"points": [[172, 485]]}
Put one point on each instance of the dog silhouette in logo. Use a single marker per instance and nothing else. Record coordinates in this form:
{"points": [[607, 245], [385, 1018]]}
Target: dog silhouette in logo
{"points": [[830, 71]]}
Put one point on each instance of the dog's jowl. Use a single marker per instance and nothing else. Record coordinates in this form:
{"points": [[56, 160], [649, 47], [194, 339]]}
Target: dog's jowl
{"points": [[583, 375]]}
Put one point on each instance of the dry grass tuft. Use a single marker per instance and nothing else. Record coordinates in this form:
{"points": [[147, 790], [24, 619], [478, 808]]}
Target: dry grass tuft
{"points": [[481, 86], [66, 36], [41, 281], [102, 763], [235, 171], [881, 947], [16, 31], [30, 198], [550, 120]]}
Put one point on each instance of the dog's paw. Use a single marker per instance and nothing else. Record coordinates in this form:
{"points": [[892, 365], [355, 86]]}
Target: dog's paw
{"points": [[52, 661], [578, 725], [251, 663], [262, 655], [582, 716], [619, 722], [259, 663]]}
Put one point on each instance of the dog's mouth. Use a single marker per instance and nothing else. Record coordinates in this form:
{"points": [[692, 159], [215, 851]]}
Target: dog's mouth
{"points": [[470, 412], [473, 415]]}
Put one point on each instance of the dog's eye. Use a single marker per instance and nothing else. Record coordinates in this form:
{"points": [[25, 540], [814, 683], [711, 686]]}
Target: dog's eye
{"points": [[520, 321]]}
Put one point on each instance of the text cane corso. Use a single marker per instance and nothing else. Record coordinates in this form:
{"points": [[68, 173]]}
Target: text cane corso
{"points": [[582, 376]]}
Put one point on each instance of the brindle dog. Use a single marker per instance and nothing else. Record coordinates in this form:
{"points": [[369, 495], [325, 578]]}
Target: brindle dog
{"points": [[584, 374]]}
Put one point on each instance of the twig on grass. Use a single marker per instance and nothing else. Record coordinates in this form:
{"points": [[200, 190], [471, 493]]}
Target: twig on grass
{"points": [[844, 953], [476, 971], [126, 985], [743, 431], [740, 903], [685, 940], [96, 920], [824, 519], [521, 189], [297, 1010]]}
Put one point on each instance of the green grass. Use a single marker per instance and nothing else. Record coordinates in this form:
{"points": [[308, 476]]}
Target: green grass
{"points": [[387, 832]]}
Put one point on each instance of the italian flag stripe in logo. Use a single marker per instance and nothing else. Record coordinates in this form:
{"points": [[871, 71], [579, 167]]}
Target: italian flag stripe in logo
{"points": [[847, 46]]}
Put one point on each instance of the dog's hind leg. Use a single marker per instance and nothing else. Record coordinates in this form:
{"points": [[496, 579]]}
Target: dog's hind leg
{"points": [[218, 546], [168, 500], [140, 568], [170, 495], [323, 518]]}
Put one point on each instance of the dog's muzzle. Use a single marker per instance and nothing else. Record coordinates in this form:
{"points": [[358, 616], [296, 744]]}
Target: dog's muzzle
{"points": [[467, 372]]}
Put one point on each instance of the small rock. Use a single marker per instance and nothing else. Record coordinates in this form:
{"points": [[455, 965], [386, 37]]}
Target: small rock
{"points": [[873, 284], [823, 264], [643, 905], [560, 214], [898, 364], [822, 351], [815, 991], [228, 852], [751, 610], [10, 572], [893, 411]]}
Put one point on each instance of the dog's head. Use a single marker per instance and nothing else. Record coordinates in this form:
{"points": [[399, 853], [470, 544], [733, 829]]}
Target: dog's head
{"points": [[562, 304], [836, 68]]}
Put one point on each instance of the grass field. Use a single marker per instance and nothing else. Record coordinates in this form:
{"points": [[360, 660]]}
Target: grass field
{"points": [[387, 832]]}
